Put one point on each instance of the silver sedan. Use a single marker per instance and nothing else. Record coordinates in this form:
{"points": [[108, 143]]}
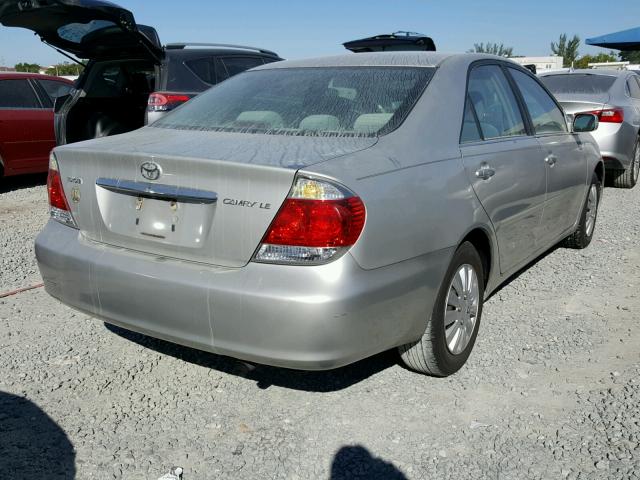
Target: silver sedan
{"points": [[614, 96], [311, 213]]}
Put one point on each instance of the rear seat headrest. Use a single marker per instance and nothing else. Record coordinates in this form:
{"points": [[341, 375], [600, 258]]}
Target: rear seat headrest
{"points": [[267, 118], [371, 122], [320, 122]]}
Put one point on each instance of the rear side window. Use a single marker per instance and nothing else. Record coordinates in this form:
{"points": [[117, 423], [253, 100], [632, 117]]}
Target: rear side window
{"points": [[585, 83], [55, 89], [206, 69], [235, 65], [634, 86], [470, 131], [545, 114], [494, 103], [17, 94]]}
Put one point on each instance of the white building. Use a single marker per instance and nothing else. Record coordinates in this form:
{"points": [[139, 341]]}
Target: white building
{"points": [[542, 64]]}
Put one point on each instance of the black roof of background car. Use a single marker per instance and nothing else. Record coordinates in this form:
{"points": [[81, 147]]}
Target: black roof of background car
{"points": [[395, 41], [220, 47]]}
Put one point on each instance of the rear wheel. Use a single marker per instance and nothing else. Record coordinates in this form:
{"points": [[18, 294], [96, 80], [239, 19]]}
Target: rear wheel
{"points": [[581, 238], [628, 177], [452, 329]]}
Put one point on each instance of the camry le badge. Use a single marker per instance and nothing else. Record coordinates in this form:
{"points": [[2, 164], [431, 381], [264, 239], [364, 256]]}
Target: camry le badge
{"points": [[150, 170]]}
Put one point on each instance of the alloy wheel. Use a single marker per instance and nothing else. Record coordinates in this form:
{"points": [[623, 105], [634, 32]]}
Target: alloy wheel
{"points": [[461, 309]]}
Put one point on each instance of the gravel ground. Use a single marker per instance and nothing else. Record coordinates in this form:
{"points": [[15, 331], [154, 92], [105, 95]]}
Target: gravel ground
{"points": [[552, 389]]}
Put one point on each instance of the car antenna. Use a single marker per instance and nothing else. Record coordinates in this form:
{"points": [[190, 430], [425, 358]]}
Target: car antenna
{"points": [[61, 52]]}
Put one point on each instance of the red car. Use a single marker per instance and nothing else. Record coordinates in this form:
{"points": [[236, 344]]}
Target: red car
{"points": [[26, 120]]}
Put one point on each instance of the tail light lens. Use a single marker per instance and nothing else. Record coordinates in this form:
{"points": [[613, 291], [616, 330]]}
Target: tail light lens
{"points": [[163, 102], [609, 115], [317, 223], [58, 206]]}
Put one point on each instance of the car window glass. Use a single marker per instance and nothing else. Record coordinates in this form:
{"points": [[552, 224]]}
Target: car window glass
{"points": [[235, 65], [76, 32], [470, 132], [121, 80], [207, 69], [634, 86], [494, 103], [17, 94], [55, 89], [587, 83], [545, 114], [305, 101]]}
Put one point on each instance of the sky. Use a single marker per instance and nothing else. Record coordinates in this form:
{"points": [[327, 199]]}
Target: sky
{"points": [[298, 29]]}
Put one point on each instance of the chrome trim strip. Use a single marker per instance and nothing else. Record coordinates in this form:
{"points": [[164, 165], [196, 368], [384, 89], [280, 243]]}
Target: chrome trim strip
{"points": [[158, 191]]}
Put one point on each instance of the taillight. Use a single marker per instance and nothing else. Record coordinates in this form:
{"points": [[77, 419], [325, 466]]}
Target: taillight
{"points": [[58, 206], [317, 223], [163, 102], [609, 115]]}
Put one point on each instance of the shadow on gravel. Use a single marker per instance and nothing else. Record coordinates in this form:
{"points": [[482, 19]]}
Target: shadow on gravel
{"points": [[356, 462], [266, 376], [523, 270], [32, 445], [9, 184]]}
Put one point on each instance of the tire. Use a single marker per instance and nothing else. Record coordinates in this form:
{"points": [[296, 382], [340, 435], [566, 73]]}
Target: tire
{"points": [[581, 238], [627, 178], [432, 354]]}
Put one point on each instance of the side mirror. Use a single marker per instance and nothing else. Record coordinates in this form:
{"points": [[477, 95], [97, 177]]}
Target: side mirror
{"points": [[585, 122]]}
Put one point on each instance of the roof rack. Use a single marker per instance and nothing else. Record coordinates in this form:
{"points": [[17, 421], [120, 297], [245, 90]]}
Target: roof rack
{"points": [[177, 46]]}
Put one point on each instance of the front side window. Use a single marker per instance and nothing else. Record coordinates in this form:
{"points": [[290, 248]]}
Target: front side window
{"points": [[17, 94], [545, 114], [494, 103], [350, 101]]}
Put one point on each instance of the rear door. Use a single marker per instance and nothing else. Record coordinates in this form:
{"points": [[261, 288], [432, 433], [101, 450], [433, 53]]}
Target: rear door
{"points": [[562, 153], [26, 128], [85, 28], [503, 163]]}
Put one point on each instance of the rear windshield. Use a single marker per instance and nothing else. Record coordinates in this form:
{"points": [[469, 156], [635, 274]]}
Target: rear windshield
{"points": [[362, 101], [578, 83]]}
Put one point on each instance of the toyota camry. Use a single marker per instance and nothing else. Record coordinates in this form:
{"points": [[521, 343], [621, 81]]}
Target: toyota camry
{"points": [[311, 213]]}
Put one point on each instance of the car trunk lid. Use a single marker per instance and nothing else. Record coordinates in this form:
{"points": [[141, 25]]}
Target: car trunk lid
{"points": [[205, 197], [577, 103], [91, 29]]}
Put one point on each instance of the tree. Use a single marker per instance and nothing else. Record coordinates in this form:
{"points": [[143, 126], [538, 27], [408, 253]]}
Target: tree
{"points": [[27, 67], [493, 49], [632, 56], [568, 50], [585, 60], [66, 68]]}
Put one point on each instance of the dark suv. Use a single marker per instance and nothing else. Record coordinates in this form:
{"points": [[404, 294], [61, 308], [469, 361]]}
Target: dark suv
{"points": [[130, 77], [189, 68]]}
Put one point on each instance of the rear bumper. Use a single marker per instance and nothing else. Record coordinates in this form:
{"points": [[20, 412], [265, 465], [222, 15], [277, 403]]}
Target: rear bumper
{"points": [[292, 316], [616, 142]]}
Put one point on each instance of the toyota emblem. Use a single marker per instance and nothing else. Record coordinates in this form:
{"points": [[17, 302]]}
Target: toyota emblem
{"points": [[150, 170]]}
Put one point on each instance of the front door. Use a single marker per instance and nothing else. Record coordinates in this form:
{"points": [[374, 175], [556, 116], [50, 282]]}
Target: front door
{"points": [[26, 128]]}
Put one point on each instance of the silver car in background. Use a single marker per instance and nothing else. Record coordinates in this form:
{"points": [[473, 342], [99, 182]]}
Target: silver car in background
{"points": [[614, 96], [311, 213]]}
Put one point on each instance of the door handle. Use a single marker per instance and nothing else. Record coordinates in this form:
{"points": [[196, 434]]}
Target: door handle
{"points": [[551, 160], [485, 172]]}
